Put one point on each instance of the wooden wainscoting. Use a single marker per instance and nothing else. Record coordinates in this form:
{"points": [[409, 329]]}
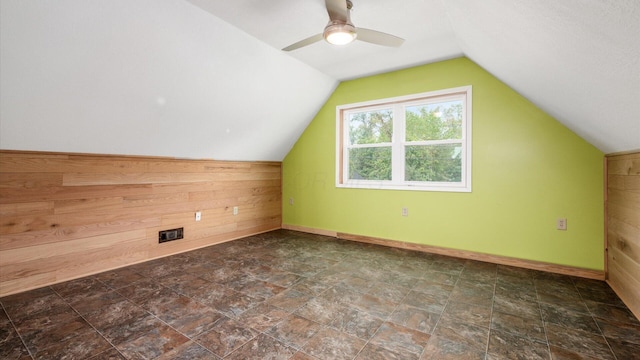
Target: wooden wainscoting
{"points": [[64, 216], [623, 227]]}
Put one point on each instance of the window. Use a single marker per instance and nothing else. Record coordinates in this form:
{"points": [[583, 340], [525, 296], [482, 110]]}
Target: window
{"points": [[415, 142]]}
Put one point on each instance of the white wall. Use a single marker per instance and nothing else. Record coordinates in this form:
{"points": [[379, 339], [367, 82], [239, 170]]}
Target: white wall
{"points": [[147, 77]]}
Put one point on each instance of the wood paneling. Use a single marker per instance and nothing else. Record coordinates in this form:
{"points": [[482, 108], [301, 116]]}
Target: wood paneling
{"points": [[623, 227], [64, 216], [463, 254]]}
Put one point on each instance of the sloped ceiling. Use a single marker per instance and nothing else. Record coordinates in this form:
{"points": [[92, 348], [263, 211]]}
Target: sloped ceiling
{"points": [[206, 78]]}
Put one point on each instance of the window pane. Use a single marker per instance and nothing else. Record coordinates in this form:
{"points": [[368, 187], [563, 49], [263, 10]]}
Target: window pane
{"points": [[370, 163], [371, 127], [442, 163], [438, 121]]}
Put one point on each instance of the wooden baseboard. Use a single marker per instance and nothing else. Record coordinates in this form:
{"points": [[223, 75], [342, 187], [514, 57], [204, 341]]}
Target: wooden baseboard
{"points": [[463, 254]]}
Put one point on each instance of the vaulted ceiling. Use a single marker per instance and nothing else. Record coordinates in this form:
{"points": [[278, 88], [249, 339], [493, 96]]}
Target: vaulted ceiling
{"points": [[207, 78]]}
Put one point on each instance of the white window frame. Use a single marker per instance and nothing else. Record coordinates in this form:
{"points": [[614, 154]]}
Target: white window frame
{"points": [[399, 143]]}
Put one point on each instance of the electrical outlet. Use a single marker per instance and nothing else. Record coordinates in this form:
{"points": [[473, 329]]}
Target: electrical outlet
{"points": [[562, 224], [405, 211], [198, 215], [235, 210], [290, 201]]}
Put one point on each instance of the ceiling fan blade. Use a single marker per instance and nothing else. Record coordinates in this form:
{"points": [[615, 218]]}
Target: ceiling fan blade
{"points": [[308, 41], [378, 38], [337, 10]]}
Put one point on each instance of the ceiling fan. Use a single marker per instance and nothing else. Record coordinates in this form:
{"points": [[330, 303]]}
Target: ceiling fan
{"points": [[340, 29]]}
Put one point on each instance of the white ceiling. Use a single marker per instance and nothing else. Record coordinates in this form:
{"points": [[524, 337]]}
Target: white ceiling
{"points": [[167, 78], [578, 60]]}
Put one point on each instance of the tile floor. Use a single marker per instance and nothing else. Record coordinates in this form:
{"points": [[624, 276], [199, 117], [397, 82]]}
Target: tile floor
{"points": [[289, 295]]}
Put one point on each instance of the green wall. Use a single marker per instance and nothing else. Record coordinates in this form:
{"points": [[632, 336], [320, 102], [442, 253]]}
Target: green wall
{"points": [[528, 170]]}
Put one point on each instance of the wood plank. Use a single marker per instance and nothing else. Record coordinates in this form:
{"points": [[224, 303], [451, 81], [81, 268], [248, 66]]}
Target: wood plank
{"points": [[626, 287], [26, 208], [34, 238], [624, 166], [83, 179], [623, 227], [624, 198], [632, 182], [625, 214], [90, 204]]}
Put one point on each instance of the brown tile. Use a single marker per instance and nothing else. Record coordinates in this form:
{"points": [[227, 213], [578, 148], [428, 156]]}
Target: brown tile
{"points": [[474, 336], [479, 315], [116, 313], [226, 336], [439, 277], [428, 302], [578, 341], [569, 304], [332, 344], [289, 300], [21, 307], [236, 303], [294, 330], [415, 318], [144, 290], [529, 328], [390, 292], [311, 287], [620, 330], [161, 301], [602, 293], [211, 294], [558, 353], [119, 278], [439, 348], [111, 354], [624, 349], [399, 338], [123, 321], [302, 356], [430, 287], [76, 290], [188, 351], [472, 293], [279, 277], [46, 319], [260, 289], [80, 347], [92, 304], [341, 294], [517, 307], [45, 332], [320, 310], [355, 322], [515, 291], [503, 345], [193, 319], [375, 306], [612, 312], [19, 300], [182, 283], [11, 347], [262, 347], [160, 340], [262, 317], [374, 352], [569, 319], [398, 279]]}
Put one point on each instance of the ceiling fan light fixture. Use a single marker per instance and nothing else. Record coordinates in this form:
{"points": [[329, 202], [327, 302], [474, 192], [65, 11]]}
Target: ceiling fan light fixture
{"points": [[339, 33]]}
